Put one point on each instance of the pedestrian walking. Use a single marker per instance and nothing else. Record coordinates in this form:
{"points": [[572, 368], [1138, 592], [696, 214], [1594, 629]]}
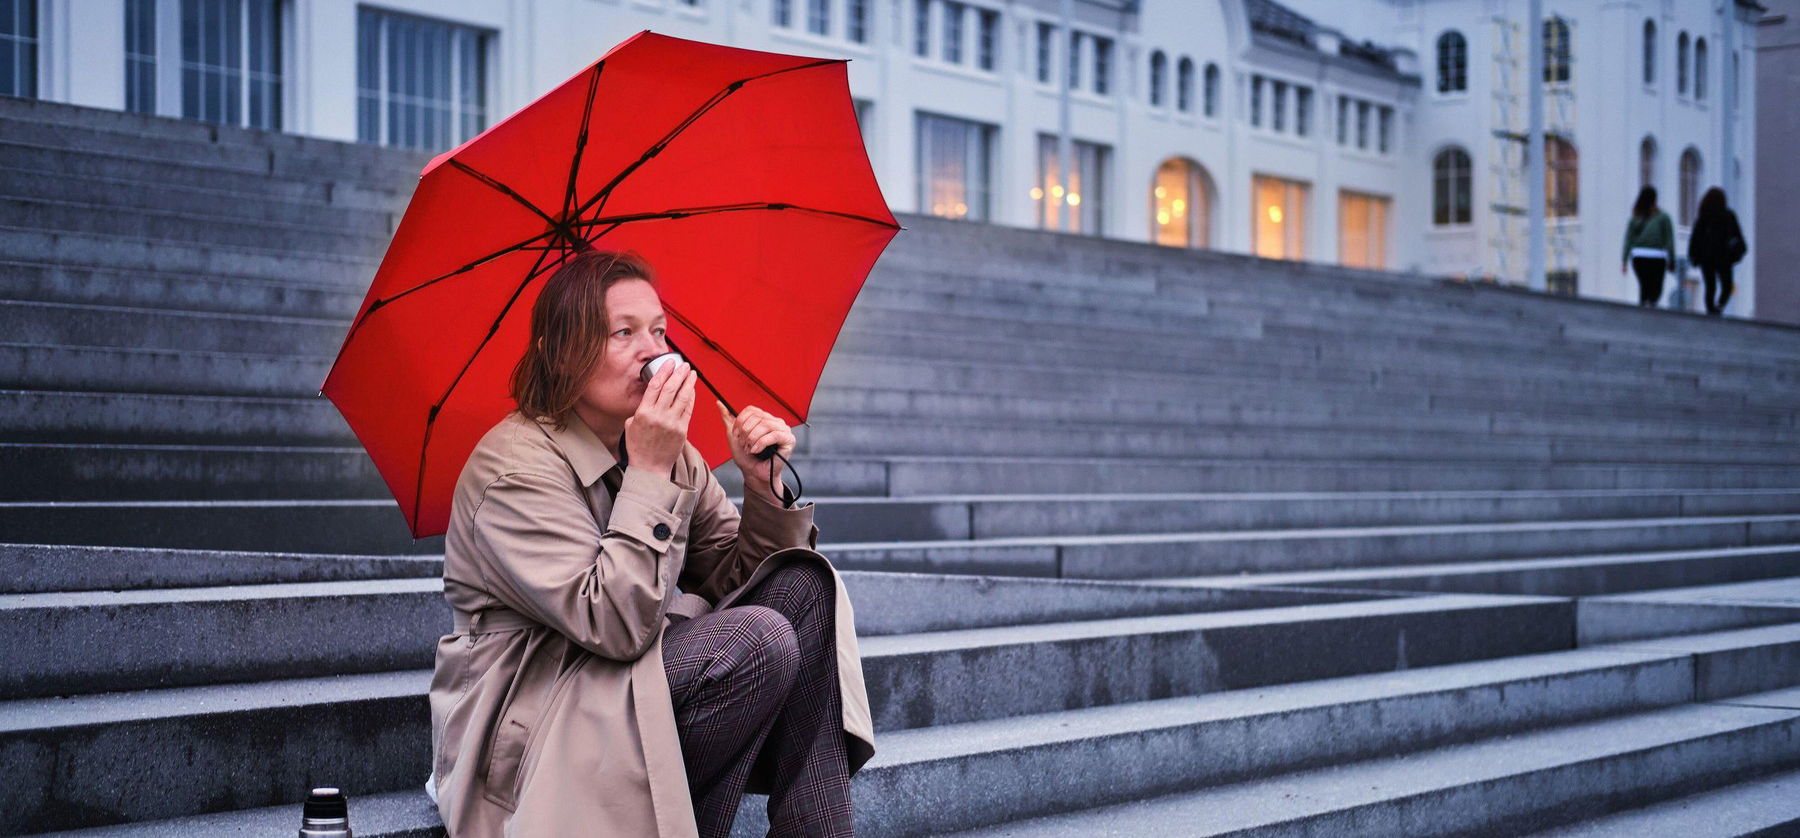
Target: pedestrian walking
{"points": [[1716, 244], [1649, 246]]}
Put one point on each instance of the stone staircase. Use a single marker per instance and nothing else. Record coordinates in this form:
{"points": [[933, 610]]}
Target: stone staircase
{"points": [[1142, 541]]}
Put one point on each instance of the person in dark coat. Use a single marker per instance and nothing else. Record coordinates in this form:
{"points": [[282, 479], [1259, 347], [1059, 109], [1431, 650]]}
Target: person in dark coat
{"points": [[1716, 244]]}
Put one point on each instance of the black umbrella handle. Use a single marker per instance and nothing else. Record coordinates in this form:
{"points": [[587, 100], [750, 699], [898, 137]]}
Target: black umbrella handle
{"points": [[788, 497]]}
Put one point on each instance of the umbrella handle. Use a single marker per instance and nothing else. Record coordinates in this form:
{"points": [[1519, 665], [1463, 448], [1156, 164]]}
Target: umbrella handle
{"points": [[787, 496]]}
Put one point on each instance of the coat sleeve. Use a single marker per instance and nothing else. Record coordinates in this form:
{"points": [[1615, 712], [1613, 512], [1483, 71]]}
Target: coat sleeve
{"points": [[546, 557], [1668, 233], [724, 547]]}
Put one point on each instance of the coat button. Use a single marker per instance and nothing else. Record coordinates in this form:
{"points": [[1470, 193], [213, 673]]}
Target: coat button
{"points": [[661, 531]]}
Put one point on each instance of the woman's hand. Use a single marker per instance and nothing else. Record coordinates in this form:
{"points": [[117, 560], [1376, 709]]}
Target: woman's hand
{"points": [[655, 434], [751, 431]]}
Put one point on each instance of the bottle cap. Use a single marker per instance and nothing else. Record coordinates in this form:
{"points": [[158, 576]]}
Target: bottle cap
{"points": [[327, 803]]}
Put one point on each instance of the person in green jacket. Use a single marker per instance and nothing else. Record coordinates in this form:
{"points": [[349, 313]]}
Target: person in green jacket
{"points": [[1649, 246]]}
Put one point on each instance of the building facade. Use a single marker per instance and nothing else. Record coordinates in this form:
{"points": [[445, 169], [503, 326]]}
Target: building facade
{"points": [[1375, 133], [1778, 175]]}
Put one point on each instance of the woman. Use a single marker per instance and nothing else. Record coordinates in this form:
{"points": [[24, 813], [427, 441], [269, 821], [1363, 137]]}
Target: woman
{"points": [[630, 655], [1649, 246], [1716, 244]]}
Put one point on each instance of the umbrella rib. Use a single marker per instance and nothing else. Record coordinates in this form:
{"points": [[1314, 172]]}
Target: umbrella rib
{"points": [[689, 325], [431, 416], [683, 212], [581, 137], [504, 189], [382, 303], [606, 191]]}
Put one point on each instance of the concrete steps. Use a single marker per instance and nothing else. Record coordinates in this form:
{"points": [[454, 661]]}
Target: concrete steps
{"points": [[1523, 781], [956, 776], [327, 716], [1133, 527]]}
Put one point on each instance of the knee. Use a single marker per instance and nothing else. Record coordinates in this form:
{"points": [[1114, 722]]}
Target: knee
{"points": [[804, 583], [771, 649]]}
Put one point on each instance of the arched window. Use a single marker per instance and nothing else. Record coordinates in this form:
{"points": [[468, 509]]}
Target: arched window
{"points": [[1681, 64], [1649, 52], [1212, 89], [1181, 204], [1452, 63], [1451, 187], [1556, 50], [1184, 85], [1700, 68], [1690, 185], [1647, 162], [1159, 69], [1562, 181]]}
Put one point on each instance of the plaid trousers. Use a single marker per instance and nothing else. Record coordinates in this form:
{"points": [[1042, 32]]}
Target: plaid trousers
{"points": [[755, 688]]}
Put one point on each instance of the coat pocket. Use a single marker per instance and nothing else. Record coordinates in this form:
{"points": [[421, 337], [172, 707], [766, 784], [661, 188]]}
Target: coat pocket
{"points": [[514, 741], [505, 757]]}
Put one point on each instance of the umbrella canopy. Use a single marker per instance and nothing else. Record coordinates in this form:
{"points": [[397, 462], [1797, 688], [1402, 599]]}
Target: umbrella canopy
{"points": [[740, 175]]}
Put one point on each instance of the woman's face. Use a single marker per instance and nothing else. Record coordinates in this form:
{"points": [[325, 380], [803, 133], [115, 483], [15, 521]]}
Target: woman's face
{"points": [[635, 326]]}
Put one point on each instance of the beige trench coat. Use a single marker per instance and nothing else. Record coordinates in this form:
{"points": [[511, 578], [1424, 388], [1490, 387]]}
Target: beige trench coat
{"points": [[550, 709]]}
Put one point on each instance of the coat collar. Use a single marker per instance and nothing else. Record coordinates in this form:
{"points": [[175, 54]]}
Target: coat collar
{"points": [[584, 450]]}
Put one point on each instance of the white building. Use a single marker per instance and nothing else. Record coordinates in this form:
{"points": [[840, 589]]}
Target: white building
{"points": [[1362, 133]]}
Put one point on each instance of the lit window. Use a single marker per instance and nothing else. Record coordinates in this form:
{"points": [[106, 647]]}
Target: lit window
{"points": [[1279, 222], [1082, 196], [1362, 230], [1181, 204], [954, 157]]}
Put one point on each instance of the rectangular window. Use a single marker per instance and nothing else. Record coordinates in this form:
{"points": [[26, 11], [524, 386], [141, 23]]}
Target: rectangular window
{"points": [[1256, 101], [953, 32], [1362, 230], [18, 48], [1082, 196], [1362, 124], [1278, 107], [1102, 65], [1343, 120], [783, 12], [421, 83], [922, 28], [1303, 111], [1385, 128], [231, 62], [1280, 217], [856, 20], [1074, 59], [954, 164], [140, 56], [988, 44], [1046, 39], [818, 17]]}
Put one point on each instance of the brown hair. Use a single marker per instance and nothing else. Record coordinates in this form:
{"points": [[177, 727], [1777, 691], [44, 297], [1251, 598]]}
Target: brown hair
{"points": [[568, 331]]}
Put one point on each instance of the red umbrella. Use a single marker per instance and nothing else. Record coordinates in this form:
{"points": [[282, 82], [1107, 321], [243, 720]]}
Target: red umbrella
{"points": [[740, 175]]}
